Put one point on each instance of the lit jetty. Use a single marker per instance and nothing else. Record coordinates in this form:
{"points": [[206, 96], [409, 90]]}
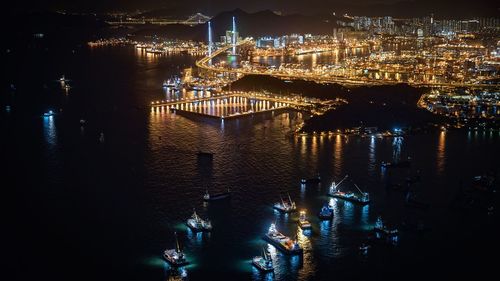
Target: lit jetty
{"points": [[361, 198], [282, 242]]}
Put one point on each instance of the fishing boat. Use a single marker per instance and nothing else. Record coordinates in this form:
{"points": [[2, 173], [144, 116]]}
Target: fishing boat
{"points": [[282, 242], [303, 222], [218, 196], [361, 198], [175, 257], [48, 113], [172, 82], [315, 180], [326, 213], [63, 79], [285, 207], [263, 263], [198, 224], [382, 230]]}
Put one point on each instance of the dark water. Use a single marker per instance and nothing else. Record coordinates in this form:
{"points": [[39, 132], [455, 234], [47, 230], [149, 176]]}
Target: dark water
{"points": [[81, 209]]}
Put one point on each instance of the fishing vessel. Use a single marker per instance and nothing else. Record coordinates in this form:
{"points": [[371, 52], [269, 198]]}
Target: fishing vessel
{"points": [[175, 257], [218, 196], [285, 207], [263, 263], [172, 82], [198, 224], [361, 198], [48, 113], [303, 222], [315, 180], [326, 213], [382, 230], [282, 242]]}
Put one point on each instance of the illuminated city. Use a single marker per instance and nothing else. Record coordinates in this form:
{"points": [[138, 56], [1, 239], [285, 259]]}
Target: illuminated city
{"points": [[262, 140]]}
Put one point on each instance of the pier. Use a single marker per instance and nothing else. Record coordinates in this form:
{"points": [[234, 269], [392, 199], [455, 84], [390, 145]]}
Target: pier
{"points": [[232, 104]]}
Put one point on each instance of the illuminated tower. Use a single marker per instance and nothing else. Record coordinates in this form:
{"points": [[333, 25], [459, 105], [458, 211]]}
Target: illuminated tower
{"points": [[209, 39], [234, 37]]}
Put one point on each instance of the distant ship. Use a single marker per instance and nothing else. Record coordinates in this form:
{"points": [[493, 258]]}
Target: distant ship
{"points": [[282, 242], [382, 230], [399, 164], [175, 257], [315, 180], [198, 224], [48, 113], [361, 198], [218, 196]]}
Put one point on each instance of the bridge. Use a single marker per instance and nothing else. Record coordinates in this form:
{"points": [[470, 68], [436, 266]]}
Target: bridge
{"points": [[262, 102], [193, 20]]}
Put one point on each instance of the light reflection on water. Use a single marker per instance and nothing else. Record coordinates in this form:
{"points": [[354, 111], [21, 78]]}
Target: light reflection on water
{"points": [[49, 131], [300, 156], [441, 153]]}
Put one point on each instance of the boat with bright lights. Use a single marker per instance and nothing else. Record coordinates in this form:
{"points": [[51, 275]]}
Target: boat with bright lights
{"points": [[263, 263], [63, 79], [218, 196], [175, 257], [303, 222], [282, 242], [172, 82], [195, 223], [285, 207], [315, 180], [326, 213], [382, 229], [48, 113], [361, 198]]}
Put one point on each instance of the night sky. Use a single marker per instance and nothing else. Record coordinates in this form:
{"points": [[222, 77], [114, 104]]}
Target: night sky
{"points": [[212, 7]]}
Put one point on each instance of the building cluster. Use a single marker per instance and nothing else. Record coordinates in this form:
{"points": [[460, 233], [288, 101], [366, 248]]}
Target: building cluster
{"points": [[426, 26], [281, 41]]}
